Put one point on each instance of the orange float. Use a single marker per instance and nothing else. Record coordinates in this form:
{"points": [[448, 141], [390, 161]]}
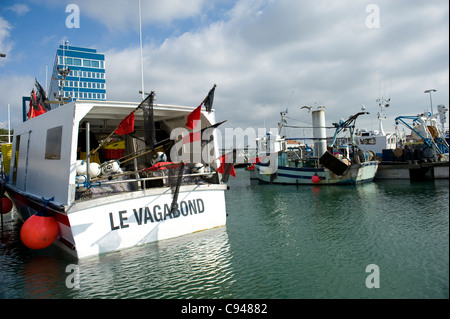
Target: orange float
{"points": [[40, 230]]}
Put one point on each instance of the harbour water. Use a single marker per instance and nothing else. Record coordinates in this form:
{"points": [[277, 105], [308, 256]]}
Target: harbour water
{"points": [[280, 242]]}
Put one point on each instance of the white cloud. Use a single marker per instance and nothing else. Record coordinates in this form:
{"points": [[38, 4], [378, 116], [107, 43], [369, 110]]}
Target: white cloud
{"points": [[19, 8], [16, 86], [261, 51], [5, 43], [119, 15]]}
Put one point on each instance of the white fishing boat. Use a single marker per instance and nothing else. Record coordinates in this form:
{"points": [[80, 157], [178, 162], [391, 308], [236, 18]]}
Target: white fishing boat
{"points": [[378, 140], [281, 164], [423, 157], [146, 188]]}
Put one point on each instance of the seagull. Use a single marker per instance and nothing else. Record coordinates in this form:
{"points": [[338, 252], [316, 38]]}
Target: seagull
{"points": [[321, 107], [307, 107]]}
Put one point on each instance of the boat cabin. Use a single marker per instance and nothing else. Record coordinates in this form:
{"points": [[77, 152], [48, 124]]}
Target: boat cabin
{"points": [[48, 149]]}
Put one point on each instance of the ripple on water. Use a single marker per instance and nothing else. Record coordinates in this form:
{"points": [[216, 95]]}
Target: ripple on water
{"points": [[194, 266]]}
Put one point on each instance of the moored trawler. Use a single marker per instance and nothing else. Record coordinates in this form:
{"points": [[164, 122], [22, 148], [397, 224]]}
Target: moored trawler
{"points": [[277, 163], [136, 185], [423, 155]]}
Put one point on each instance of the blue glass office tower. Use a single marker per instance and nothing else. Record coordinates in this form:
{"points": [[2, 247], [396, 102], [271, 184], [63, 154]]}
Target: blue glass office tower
{"points": [[86, 79]]}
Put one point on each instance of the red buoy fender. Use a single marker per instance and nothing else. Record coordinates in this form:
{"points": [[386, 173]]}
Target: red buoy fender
{"points": [[315, 179], [7, 205], [39, 232]]}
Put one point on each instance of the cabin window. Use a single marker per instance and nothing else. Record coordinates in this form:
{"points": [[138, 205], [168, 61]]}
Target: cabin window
{"points": [[53, 143], [368, 141]]}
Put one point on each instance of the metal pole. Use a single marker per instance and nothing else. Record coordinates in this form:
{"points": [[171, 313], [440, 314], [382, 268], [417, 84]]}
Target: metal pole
{"points": [[431, 102], [9, 124], [140, 41], [2, 194], [88, 148], [46, 80]]}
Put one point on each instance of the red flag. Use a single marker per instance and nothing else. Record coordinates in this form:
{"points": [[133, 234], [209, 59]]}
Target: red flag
{"points": [[158, 166], [127, 125], [194, 117], [30, 111], [192, 137], [225, 167], [36, 108]]}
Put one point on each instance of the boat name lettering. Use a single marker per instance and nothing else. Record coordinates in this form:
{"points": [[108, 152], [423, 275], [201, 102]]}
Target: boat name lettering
{"points": [[157, 213]]}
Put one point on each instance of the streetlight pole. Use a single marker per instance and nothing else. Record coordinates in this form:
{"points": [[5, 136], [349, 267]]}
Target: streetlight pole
{"points": [[431, 102]]}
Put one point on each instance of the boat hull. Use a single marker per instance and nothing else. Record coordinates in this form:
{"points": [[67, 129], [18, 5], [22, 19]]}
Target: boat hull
{"points": [[413, 170], [358, 173], [101, 225]]}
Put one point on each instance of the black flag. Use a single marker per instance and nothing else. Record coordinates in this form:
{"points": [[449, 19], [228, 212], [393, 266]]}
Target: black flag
{"points": [[42, 97], [209, 99], [149, 121], [38, 101]]}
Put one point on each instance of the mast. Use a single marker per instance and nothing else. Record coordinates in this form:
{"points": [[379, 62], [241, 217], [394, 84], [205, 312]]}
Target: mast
{"points": [[142, 61], [382, 103]]}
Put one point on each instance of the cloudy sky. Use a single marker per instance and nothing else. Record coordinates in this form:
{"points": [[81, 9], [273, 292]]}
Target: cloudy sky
{"points": [[264, 55]]}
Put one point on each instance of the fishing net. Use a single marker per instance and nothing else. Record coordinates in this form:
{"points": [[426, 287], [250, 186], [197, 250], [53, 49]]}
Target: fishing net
{"points": [[175, 174]]}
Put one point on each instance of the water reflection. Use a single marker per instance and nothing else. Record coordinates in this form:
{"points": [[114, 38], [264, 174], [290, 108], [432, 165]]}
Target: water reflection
{"points": [[27, 273], [192, 266], [314, 242]]}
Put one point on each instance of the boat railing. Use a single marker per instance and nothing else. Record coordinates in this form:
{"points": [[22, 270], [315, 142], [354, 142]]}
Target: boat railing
{"points": [[100, 187], [143, 179]]}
